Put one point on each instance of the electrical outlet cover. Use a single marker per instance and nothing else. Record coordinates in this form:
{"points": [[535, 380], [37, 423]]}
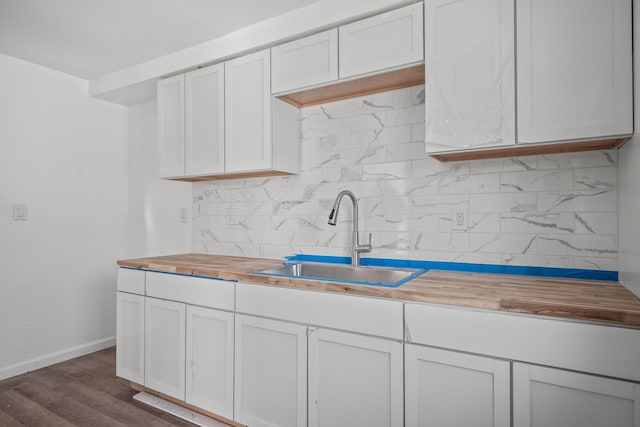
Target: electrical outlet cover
{"points": [[459, 219], [20, 212]]}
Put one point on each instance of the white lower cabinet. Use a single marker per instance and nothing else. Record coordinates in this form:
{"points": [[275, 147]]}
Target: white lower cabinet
{"points": [[130, 337], [547, 397], [165, 347], [446, 388], [209, 356], [458, 367], [270, 373], [354, 380]]}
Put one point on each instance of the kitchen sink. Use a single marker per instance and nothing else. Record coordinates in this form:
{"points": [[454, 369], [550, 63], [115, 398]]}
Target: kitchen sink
{"points": [[377, 276]]}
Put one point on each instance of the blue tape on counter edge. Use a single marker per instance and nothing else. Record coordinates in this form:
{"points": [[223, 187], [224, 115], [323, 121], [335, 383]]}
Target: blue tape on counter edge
{"points": [[565, 273]]}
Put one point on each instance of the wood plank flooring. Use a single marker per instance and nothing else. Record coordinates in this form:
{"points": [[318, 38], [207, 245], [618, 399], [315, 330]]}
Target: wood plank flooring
{"points": [[79, 392]]}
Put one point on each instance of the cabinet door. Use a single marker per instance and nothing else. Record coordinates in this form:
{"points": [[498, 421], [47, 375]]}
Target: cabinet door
{"points": [[555, 398], [354, 380], [248, 113], [383, 41], [171, 126], [165, 347], [209, 382], [469, 64], [205, 120], [130, 337], [445, 388], [574, 69], [305, 62], [270, 373]]}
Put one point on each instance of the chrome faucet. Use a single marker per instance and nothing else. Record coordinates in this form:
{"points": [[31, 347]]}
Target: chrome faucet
{"points": [[356, 247]]}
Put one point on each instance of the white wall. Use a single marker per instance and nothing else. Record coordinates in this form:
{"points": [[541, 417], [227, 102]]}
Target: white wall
{"points": [[556, 210], [64, 155], [154, 204], [629, 182]]}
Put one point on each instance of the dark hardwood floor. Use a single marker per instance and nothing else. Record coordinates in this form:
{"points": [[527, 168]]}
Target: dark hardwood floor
{"points": [[79, 392]]}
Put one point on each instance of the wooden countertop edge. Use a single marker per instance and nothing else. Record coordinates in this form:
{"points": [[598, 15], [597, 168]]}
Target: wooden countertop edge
{"points": [[424, 290]]}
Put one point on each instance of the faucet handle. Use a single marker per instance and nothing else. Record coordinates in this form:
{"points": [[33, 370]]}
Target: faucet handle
{"points": [[364, 248]]}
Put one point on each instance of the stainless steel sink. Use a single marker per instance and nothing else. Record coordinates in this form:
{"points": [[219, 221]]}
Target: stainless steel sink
{"points": [[379, 276]]}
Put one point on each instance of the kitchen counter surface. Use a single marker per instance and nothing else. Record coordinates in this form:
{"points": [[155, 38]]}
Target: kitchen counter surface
{"points": [[583, 300]]}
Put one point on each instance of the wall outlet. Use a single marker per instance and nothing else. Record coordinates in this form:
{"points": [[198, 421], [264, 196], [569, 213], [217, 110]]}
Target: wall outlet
{"points": [[459, 219], [231, 217]]}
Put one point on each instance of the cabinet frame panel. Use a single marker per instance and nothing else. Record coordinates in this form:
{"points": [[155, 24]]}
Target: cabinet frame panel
{"points": [[382, 345], [499, 369]]}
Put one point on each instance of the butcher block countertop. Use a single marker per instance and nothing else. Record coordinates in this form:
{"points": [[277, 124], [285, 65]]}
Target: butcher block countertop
{"points": [[583, 300]]}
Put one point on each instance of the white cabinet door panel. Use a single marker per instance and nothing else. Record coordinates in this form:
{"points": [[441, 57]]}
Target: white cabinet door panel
{"points": [[305, 62], [545, 397], [165, 347], [171, 126], [383, 41], [574, 69], [205, 120], [209, 355], [270, 373], [445, 388], [130, 337], [248, 113], [469, 66], [354, 380]]}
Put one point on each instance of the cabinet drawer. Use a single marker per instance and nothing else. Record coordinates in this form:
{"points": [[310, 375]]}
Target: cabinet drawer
{"points": [[357, 314], [201, 291], [599, 349], [381, 42], [131, 281]]}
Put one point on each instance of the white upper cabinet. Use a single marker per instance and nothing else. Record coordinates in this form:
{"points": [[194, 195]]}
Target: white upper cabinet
{"points": [[248, 108], [305, 62], [171, 126], [574, 69], [469, 66], [381, 42], [191, 123], [205, 120], [262, 133]]}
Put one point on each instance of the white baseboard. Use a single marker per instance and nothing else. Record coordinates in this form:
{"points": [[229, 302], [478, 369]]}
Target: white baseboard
{"points": [[32, 364]]}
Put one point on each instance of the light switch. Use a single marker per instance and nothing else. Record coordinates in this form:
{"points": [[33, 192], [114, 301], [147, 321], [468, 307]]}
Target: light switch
{"points": [[20, 212], [184, 215]]}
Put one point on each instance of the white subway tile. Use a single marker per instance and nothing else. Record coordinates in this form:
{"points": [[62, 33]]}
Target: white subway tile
{"points": [[538, 222], [469, 184], [503, 243], [537, 181], [578, 201], [503, 202], [596, 178]]}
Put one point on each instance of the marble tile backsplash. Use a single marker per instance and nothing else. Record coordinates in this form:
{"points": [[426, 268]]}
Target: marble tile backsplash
{"points": [[555, 210]]}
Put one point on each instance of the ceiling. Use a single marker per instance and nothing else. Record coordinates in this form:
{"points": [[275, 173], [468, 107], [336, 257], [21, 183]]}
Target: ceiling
{"points": [[90, 38]]}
